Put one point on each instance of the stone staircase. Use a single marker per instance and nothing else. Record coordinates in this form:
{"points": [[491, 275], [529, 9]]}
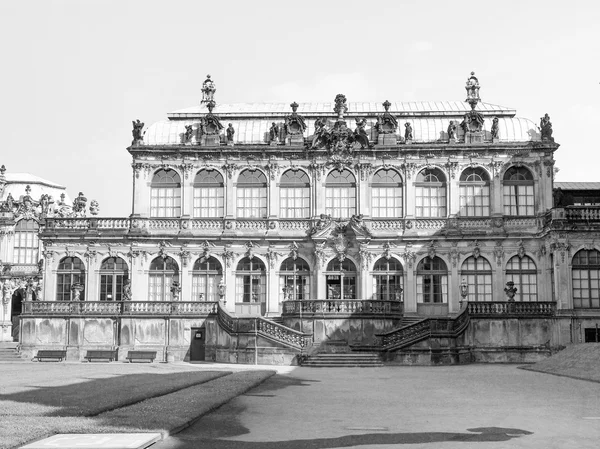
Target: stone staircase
{"points": [[8, 352], [344, 360], [409, 320]]}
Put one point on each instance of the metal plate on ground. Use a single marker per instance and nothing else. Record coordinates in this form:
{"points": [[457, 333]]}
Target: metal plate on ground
{"points": [[96, 441]]}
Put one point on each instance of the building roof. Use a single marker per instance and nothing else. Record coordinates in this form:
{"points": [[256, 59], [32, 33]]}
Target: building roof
{"points": [[425, 129], [577, 185], [17, 182], [355, 109]]}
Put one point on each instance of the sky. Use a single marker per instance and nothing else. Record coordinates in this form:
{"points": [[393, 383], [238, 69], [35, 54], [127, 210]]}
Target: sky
{"points": [[76, 73]]}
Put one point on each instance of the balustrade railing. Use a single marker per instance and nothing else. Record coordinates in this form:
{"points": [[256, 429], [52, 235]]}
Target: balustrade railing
{"points": [[342, 307], [582, 213], [113, 308], [266, 328], [516, 308]]}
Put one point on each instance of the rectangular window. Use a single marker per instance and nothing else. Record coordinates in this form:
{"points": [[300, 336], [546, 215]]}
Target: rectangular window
{"points": [[26, 247], [294, 202], [340, 202], [252, 202], [474, 201], [209, 202], [165, 202], [518, 200], [430, 202], [386, 202]]}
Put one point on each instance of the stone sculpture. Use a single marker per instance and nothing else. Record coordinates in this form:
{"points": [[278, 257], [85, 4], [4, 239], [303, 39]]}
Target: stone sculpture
{"points": [[495, 131], [408, 132], [274, 132], [360, 134], [208, 90], [94, 207], [546, 127], [188, 133], [230, 134], [451, 131], [137, 131]]}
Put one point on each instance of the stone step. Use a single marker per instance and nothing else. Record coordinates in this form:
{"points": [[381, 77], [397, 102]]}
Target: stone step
{"points": [[8, 344], [10, 355], [342, 360]]}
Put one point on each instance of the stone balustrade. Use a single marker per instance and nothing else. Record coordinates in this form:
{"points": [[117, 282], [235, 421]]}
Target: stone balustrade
{"points": [[504, 308], [113, 308], [342, 307], [582, 213]]}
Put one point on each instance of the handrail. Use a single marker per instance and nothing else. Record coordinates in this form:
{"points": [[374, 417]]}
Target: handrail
{"points": [[512, 308], [263, 327], [113, 308], [333, 307], [428, 327]]}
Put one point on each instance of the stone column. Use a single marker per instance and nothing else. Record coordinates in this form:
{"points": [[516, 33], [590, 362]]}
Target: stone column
{"points": [[410, 292]]}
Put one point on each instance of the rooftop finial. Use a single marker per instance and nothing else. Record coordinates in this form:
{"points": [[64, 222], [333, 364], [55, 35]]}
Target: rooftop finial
{"points": [[472, 88], [208, 90], [340, 106]]}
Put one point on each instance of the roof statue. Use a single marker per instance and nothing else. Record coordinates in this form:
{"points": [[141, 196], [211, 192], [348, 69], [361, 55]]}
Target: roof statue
{"points": [[137, 132], [230, 133], [294, 127], [340, 106], [408, 132], [360, 134], [451, 131], [546, 127], [386, 123], [495, 132], [208, 90], [472, 88]]}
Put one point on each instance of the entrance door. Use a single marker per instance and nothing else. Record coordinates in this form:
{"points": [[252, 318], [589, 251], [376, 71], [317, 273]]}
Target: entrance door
{"points": [[197, 344], [16, 309]]}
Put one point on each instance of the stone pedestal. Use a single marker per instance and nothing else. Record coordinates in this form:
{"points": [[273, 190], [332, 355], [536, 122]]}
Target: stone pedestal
{"points": [[408, 141], [274, 143], [495, 140], [296, 140], [211, 140], [387, 139], [474, 137]]}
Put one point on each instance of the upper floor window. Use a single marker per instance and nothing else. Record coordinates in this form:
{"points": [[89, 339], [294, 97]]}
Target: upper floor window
{"points": [[388, 280], [113, 275], [477, 272], [206, 275], [386, 194], [209, 194], [294, 195], [523, 273], [474, 193], [586, 279], [294, 280], [252, 194], [340, 194], [70, 272], [430, 194], [163, 272], [165, 194], [26, 242], [518, 192], [432, 281]]}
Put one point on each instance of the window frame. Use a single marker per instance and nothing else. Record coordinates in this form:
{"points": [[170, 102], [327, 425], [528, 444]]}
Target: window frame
{"points": [[344, 193], [204, 193], [425, 187], [394, 194], [467, 209], [161, 189], [395, 275], [212, 276], [436, 278], [249, 192], [118, 278], [517, 275], [476, 279], [163, 278], [72, 275], [593, 293], [26, 245], [514, 191], [300, 280]]}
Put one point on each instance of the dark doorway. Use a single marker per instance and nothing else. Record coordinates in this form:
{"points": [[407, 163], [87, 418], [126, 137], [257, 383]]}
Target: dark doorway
{"points": [[197, 344], [592, 335], [16, 309]]}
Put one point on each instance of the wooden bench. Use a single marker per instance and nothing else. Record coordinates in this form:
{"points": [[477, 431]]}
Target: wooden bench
{"points": [[108, 355], [141, 355], [57, 354]]}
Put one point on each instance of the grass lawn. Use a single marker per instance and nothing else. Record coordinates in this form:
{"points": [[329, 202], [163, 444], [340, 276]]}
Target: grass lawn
{"points": [[38, 400], [580, 361]]}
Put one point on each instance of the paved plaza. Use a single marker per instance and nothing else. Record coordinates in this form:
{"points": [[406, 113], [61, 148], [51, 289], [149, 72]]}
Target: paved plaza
{"points": [[482, 406]]}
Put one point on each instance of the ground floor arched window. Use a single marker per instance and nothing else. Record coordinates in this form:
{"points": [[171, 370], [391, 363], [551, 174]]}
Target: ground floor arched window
{"points": [[341, 279], [522, 271], [388, 280], [294, 277], [477, 272], [206, 275], [586, 279], [163, 272], [251, 281], [432, 281], [70, 273]]}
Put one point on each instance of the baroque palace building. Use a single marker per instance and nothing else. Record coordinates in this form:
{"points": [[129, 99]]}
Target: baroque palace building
{"points": [[424, 232]]}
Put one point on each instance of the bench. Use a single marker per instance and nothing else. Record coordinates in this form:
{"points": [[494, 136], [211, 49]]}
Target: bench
{"points": [[141, 355], [57, 354], [108, 355]]}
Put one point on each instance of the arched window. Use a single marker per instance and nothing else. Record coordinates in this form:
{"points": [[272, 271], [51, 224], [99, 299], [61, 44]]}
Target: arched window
{"points": [[26, 242], [518, 192], [209, 194], [206, 275], [432, 281], [252, 194], [165, 194], [430, 194], [386, 194], [294, 195], [388, 281], [478, 274], [340, 194], [70, 271], [113, 274], [251, 280], [162, 274], [294, 280], [586, 279], [474, 193], [341, 279], [523, 273]]}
